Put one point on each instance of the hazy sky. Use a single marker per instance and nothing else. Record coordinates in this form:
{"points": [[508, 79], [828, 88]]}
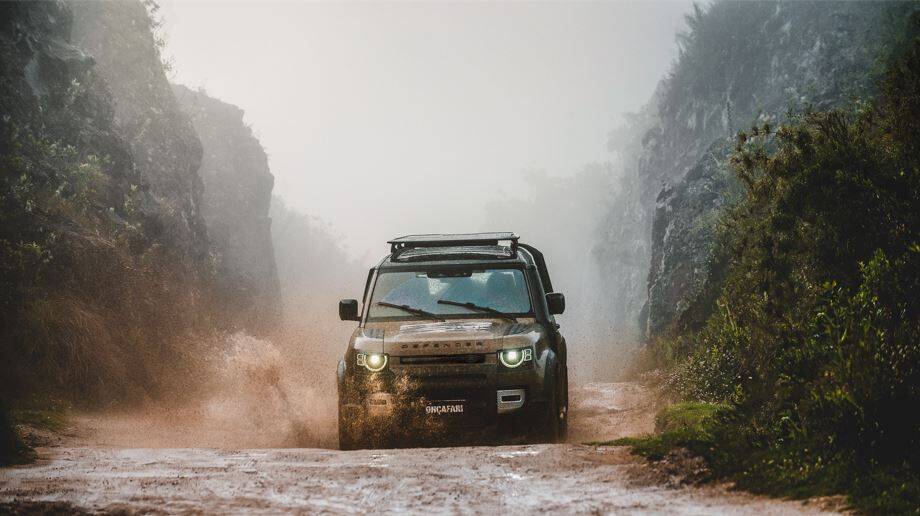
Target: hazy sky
{"points": [[391, 118]]}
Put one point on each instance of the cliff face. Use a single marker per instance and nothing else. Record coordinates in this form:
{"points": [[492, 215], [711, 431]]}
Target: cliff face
{"points": [[120, 37], [783, 57], [104, 274], [50, 92], [235, 207], [684, 233], [740, 64]]}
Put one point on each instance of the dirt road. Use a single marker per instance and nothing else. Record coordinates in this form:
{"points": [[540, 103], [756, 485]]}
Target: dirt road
{"points": [[564, 478]]}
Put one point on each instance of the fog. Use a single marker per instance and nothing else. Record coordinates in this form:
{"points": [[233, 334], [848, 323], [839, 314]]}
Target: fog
{"points": [[384, 119]]}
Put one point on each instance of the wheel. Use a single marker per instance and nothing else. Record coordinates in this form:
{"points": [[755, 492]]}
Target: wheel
{"points": [[548, 430], [345, 423], [562, 406], [555, 423], [551, 431], [345, 432], [352, 434]]}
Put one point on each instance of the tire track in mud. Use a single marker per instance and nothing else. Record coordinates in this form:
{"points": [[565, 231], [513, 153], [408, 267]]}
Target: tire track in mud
{"points": [[560, 478]]}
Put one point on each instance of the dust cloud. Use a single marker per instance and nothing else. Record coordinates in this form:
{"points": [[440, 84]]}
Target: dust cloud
{"points": [[276, 390], [252, 396]]}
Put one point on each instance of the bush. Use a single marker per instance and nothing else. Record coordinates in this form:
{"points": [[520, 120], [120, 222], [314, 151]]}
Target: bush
{"points": [[814, 342]]}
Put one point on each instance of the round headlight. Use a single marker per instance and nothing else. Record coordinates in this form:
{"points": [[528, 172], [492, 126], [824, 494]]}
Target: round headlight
{"points": [[374, 362], [511, 357]]}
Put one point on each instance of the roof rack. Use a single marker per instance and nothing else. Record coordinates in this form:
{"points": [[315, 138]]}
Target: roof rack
{"points": [[401, 244]]}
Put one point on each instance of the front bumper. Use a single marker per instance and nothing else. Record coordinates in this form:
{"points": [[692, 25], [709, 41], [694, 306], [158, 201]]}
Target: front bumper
{"points": [[498, 402]]}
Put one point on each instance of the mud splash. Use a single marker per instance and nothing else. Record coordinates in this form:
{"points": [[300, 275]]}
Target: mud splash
{"points": [[253, 396], [259, 394], [559, 478], [605, 411]]}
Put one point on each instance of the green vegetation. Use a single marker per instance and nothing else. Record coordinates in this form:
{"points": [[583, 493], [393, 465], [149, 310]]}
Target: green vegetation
{"points": [[12, 449], [98, 301], [42, 412], [685, 425], [81, 281], [813, 342], [39, 412]]}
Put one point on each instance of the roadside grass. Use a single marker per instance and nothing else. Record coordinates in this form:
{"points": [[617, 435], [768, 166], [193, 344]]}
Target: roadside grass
{"points": [[40, 412], [706, 430], [53, 419], [681, 425], [12, 448]]}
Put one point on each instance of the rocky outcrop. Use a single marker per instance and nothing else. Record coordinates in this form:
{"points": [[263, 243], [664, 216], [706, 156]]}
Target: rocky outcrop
{"points": [[740, 64], [49, 90], [206, 175], [107, 275], [235, 206], [684, 233], [103, 258], [121, 38]]}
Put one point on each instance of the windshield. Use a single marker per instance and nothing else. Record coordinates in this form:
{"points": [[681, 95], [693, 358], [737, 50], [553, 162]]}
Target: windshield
{"points": [[441, 293]]}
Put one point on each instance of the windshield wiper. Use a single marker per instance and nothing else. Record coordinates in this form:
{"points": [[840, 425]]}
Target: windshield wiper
{"points": [[478, 308], [411, 310]]}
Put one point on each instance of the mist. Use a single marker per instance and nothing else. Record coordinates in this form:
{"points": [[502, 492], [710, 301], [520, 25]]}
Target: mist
{"points": [[391, 118], [386, 119]]}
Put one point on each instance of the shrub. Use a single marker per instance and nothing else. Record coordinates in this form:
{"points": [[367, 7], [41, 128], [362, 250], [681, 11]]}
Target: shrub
{"points": [[815, 339]]}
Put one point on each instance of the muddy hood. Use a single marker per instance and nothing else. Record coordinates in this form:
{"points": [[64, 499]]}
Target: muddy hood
{"points": [[448, 337]]}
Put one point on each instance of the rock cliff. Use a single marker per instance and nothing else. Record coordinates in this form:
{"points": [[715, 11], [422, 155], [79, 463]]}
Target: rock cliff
{"points": [[235, 206], [107, 275], [105, 272], [740, 64], [121, 38]]}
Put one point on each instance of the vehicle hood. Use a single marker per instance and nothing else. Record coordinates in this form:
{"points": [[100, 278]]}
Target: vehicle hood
{"points": [[447, 337]]}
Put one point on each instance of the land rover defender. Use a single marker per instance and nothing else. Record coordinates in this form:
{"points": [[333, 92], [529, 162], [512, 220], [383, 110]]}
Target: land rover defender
{"points": [[456, 341]]}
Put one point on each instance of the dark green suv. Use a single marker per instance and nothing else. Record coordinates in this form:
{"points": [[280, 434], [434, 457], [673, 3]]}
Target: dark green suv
{"points": [[456, 342]]}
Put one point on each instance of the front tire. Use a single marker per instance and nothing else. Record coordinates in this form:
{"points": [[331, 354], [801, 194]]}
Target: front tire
{"points": [[556, 419], [548, 430], [351, 431], [551, 430], [345, 432], [562, 405]]}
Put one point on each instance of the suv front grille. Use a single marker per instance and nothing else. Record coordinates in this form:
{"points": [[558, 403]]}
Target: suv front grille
{"points": [[469, 358]]}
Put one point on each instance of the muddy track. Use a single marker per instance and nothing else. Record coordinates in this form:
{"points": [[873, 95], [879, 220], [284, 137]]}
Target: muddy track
{"points": [[562, 478]]}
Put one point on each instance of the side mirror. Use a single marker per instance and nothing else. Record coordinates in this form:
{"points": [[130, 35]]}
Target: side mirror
{"points": [[555, 301], [348, 310]]}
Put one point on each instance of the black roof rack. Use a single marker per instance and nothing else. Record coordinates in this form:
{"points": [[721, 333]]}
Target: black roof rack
{"points": [[401, 244]]}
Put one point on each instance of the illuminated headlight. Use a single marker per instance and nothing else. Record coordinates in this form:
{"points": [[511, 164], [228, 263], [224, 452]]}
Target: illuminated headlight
{"points": [[372, 361], [512, 358]]}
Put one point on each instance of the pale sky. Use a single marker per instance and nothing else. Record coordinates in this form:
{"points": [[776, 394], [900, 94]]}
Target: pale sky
{"points": [[390, 118]]}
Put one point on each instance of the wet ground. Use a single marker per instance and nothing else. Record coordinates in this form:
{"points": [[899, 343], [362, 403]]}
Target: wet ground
{"points": [[85, 473]]}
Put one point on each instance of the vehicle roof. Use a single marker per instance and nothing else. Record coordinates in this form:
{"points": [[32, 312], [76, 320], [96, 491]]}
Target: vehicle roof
{"points": [[464, 250], [456, 238], [488, 255]]}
